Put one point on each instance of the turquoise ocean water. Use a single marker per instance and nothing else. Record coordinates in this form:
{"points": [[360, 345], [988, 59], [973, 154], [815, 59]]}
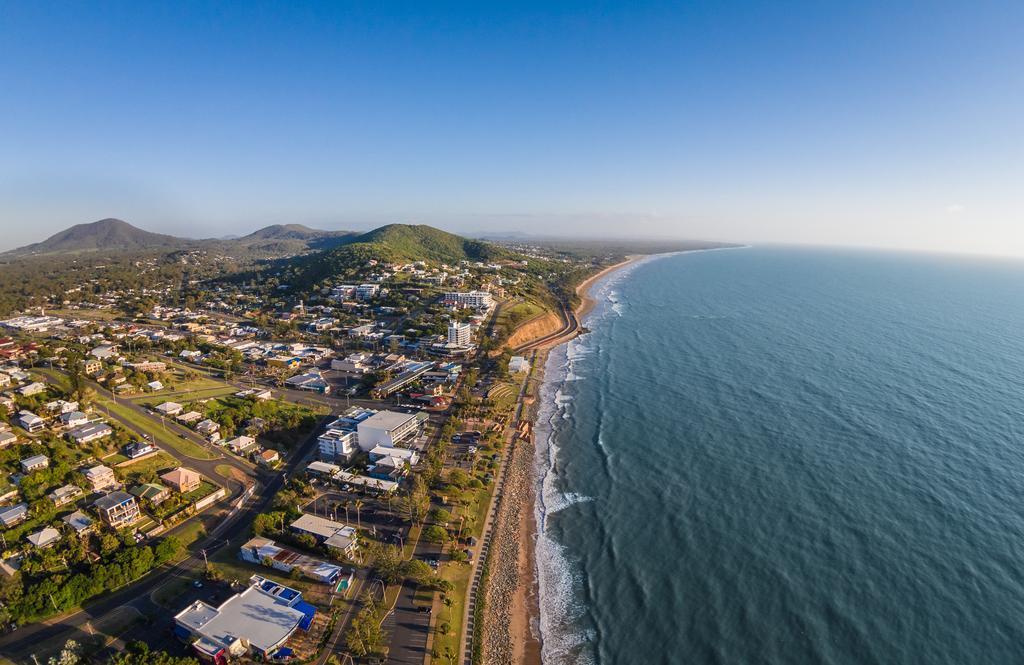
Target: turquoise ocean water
{"points": [[770, 455]]}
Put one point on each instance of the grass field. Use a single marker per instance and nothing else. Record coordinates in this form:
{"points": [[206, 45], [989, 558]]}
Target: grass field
{"points": [[458, 575], [160, 435]]}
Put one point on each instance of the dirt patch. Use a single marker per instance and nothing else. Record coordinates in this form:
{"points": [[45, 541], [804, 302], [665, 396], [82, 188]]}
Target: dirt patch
{"points": [[535, 328]]}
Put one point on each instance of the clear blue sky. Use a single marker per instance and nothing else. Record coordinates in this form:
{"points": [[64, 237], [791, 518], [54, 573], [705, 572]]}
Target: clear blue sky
{"points": [[874, 123]]}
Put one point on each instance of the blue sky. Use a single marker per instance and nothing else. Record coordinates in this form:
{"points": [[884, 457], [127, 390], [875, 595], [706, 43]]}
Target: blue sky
{"points": [[868, 123]]}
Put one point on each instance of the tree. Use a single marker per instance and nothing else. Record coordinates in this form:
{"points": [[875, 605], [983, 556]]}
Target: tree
{"points": [[435, 534], [359, 505], [71, 654]]}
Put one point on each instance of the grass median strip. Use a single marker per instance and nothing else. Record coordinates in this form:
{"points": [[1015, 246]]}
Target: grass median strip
{"points": [[160, 435]]}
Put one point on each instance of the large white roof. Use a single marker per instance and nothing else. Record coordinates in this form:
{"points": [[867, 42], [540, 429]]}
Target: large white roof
{"points": [[387, 420]]}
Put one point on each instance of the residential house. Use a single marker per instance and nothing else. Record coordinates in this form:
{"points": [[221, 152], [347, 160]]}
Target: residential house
{"points": [[335, 535], [90, 432], [43, 538], [30, 422], [118, 509], [93, 366], [64, 495], [138, 449], [182, 479], [189, 417], [79, 522], [13, 515], [100, 478], [34, 463], [269, 458], [241, 445], [7, 438], [209, 429], [71, 419], [155, 494], [154, 386], [31, 389], [169, 409]]}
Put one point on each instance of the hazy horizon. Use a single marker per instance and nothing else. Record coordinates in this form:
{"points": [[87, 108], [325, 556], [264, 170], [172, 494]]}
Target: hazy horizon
{"points": [[862, 126]]}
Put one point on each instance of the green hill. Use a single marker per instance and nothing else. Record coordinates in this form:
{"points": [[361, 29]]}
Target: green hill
{"points": [[398, 243]]}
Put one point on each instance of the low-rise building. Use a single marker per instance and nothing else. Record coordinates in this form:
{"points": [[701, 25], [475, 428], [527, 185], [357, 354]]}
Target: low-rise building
{"points": [[30, 422], [265, 552], [100, 478], [335, 535], [64, 495], [182, 479], [258, 620], [269, 458], [90, 432], [155, 494], [118, 509], [388, 428], [313, 381], [7, 438], [13, 515], [34, 463], [79, 522], [169, 409], [241, 445], [43, 538]]}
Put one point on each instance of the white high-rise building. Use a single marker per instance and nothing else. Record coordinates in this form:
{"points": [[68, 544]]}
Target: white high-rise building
{"points": [[460, 334], [475, 299]]}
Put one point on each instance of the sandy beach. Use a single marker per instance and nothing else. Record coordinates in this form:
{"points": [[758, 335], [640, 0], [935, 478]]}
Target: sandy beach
{"points": [[523, 620], [587, 301]]}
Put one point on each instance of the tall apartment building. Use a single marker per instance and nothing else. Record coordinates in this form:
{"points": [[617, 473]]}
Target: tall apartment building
{"points": [[460, 334]]}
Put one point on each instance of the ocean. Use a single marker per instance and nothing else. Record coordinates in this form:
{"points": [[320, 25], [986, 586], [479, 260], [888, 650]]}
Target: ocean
{"points": [[771, 455]]}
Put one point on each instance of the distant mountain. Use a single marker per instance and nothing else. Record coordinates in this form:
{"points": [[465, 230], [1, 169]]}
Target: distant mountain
{"points": [[397, 242], [285, 232], [106, 235]]}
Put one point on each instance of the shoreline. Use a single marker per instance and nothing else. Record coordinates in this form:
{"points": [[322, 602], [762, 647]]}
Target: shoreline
{"points": [[524, 622], [588, 301]]}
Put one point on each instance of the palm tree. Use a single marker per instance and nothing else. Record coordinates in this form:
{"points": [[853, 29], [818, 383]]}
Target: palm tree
{"points": [[359, 504], [345, 505]]}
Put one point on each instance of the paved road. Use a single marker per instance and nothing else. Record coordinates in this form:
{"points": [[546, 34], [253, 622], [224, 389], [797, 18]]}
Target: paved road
{"points": [[19, 645]]}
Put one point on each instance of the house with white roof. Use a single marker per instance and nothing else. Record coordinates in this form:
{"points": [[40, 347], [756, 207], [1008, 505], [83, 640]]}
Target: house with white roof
{"points": [[43, 538]]}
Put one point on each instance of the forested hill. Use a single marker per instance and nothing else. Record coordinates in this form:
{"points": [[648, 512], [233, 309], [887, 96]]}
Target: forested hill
{"points": [[396, 243]]}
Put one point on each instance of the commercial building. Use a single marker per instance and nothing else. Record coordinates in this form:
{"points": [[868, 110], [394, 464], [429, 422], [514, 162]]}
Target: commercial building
{"points": [[518, 364], [118, 509], [313, 381], [258, 621], [387, 428]]}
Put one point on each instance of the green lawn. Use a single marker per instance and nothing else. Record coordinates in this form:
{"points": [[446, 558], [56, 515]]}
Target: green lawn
{"points": [[160, 435], [159, 462], [458, 575]]}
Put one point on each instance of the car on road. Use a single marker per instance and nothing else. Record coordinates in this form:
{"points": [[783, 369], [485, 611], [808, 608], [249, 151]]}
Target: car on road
{"points": [[197, 584]]}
